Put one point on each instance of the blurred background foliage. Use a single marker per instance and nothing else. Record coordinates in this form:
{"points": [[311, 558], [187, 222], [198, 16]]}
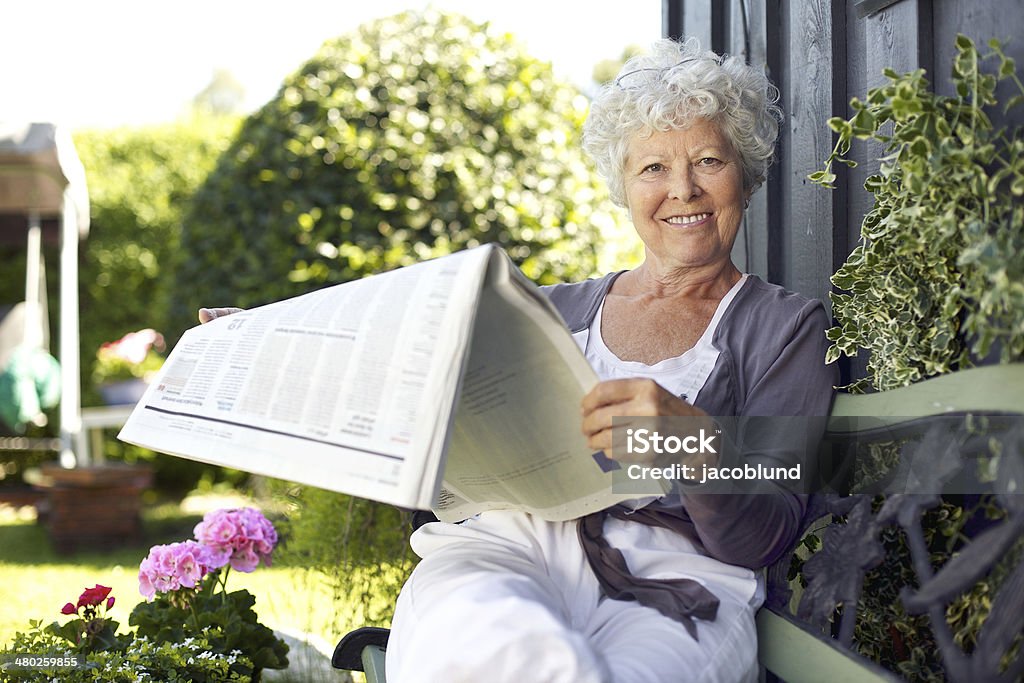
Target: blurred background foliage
{"points": [[412, 137], [140, 181]]}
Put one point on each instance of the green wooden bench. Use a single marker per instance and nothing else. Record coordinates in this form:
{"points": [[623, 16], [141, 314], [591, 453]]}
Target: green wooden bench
{"points": [[793, 650]]}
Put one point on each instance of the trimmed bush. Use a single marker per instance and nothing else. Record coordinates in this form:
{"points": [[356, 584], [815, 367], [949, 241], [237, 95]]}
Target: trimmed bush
{"points": [[414, 136]]}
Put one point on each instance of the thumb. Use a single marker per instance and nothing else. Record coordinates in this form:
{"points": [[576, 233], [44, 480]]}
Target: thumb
{"points": [[208, 314]]}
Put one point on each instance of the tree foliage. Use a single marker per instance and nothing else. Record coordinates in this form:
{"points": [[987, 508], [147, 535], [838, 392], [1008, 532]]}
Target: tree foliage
{"points": [[140, 179], [415, 136]]}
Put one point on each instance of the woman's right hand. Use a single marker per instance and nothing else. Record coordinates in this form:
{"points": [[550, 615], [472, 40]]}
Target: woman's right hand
{"points": [[208, 314]]}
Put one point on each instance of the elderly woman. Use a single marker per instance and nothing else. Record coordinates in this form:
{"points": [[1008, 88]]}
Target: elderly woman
{"points": [[683, 138]]}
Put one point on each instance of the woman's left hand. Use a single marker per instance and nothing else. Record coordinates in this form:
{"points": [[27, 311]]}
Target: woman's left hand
{"points": [[622, 398]]}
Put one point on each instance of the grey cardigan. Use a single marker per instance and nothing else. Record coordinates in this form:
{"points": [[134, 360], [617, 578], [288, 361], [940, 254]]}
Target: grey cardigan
{"points": [[772, 349]]}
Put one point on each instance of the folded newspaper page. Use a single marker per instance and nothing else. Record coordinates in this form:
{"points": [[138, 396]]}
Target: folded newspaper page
{"points": [[452, 384]]}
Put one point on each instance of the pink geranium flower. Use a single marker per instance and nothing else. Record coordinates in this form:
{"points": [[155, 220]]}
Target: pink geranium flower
{"points": [[242, 538], [134, 346], [170, 567], [239, 539]]}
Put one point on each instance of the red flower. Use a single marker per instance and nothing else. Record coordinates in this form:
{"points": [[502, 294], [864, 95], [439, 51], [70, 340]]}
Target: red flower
{"points": [[92, 597], [69, 609], [110, 602]]}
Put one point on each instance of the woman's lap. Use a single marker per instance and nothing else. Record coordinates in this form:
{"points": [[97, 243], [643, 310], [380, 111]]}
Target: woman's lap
{"points": [[506, 596]]}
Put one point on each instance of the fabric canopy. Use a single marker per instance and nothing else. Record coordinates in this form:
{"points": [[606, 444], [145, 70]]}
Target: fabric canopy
{"points": [[38, 163]]}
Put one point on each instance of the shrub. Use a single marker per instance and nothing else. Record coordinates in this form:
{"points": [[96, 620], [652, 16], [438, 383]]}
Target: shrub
{"points": [[192, 659], [140, 180], [414, 136]]}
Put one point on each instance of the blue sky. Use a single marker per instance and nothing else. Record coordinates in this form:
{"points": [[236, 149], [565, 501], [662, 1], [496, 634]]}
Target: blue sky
{"points": [[116, 62]]}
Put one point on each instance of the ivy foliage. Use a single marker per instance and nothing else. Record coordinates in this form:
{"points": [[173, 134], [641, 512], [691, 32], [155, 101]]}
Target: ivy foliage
{"points": [[936, 284], [361, 548], [412, 137], [937, 281]]}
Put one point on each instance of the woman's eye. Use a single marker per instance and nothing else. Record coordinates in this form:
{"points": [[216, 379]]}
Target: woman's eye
{"points": [[653, 168], [708, 161]]}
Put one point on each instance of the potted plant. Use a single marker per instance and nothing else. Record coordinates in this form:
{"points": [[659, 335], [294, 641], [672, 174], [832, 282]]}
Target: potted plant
{"points": [[124, 367], [185, 586], [935, 283], [93, 506], [190, 627]]}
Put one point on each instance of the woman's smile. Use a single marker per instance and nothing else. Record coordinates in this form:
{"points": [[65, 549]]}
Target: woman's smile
{"points": [[687, 220]]}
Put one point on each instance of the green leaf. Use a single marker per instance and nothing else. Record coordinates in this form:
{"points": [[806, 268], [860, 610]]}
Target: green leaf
{"points": [[1017, 186], [832, 354], [963, 42], [840, 125], [1007, 67], [823, 178]]}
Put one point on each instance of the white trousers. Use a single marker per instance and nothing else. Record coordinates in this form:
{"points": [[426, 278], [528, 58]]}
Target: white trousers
{"points": [[509, 597]]}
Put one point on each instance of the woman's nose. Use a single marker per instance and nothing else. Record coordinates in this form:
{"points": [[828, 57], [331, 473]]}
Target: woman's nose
{"points": [[683, 184]]}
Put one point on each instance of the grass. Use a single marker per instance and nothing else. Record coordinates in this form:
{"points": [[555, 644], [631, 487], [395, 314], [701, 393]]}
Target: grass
{"points": [[37, 581]]}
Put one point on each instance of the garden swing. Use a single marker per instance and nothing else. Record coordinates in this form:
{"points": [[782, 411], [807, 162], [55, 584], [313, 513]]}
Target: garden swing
{"points": [[43, 199]]}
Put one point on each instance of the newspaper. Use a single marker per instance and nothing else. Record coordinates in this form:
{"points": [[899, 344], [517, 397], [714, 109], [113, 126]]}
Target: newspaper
{"points": [[452, 384]]}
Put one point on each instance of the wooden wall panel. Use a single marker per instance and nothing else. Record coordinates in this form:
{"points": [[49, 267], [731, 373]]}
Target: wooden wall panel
{"points": [[746, 36], [897, 37], [807, 81], [697, 20], [980, 21]]}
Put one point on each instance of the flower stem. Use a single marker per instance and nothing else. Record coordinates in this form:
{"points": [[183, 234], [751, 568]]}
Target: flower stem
{"points": [[195, 617], [224, 584]]}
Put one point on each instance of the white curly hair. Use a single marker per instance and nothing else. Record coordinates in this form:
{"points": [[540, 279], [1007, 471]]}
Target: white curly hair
{"points": [[670, 87]]}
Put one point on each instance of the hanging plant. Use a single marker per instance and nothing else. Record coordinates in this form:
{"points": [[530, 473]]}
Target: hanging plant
{"points": [[937, 280], [935, 284]]}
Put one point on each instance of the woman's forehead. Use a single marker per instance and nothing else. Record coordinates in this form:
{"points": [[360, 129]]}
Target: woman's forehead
{"points": [[699, 133]]}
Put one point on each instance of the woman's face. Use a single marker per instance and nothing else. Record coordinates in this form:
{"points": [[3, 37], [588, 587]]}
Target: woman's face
{"points": [[684, 190]]}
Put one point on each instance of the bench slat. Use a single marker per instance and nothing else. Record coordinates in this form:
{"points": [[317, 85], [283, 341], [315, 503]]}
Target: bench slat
{"points": [[797, 655], [988, 389], [373, 664]]}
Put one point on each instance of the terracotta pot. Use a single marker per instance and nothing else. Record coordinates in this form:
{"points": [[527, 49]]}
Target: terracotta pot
{"points": [[95, 507]]}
